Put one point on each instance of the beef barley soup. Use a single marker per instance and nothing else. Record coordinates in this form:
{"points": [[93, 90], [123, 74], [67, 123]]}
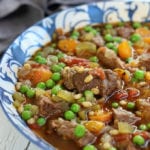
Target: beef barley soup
{"points": [[89, 89]]}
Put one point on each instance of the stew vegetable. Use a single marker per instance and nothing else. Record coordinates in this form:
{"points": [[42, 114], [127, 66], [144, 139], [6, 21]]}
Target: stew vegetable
{"points": [[89, 89]]}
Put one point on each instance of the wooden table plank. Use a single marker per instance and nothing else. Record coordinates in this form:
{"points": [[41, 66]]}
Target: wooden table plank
{"points": [[10, 138]]}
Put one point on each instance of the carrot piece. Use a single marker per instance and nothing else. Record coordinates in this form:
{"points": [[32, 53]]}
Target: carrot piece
{"points": [[119, 71], [147, 76], [147, 40], [39, 75], [124, 50], [104, 117], [139, 50], [67, 45], [144, 32], [94, 126]]}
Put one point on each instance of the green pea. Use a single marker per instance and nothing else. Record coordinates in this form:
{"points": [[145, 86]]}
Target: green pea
{"points": [[53, 45], [94, 32], [130, 43], [41, 121], [108, 26], [94, 59], [30, 93], [62, 64], [139, 74], [82, 99], [53, 59], [148, 125], [69, 115], [143, 127], [88, 95], [136, 25], [79, 131], [26, 114], [121, 24], [115, 49], [117, 39], [134, 80], [56, 76], [135, 37], [130, 105], [75, 108], [88, 28], [41, 85], [130, 59], [41, 60], [23, 89], [108, 38], [50, 83], [56, 68], [55, 89], [110, 45], [39, 53], [27, 107], [89, 147], [75, 35], [115, 105], [60, 55], [138, 140]]}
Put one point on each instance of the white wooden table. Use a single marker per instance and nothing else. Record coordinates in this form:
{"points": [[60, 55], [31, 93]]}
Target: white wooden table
{"points": [[10, 138]]}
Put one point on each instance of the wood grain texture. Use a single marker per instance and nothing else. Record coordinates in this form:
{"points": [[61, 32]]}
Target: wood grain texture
{"points": [[10, 138]]}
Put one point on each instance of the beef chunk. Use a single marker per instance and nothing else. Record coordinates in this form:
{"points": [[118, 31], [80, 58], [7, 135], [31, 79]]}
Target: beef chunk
{"points": [[98, 40], [144, 61], [125, 31], [123, 142], [125, 116], [109, 59], [144, 106], [131, 146], [68, 74], [106, 86], [49, 109], [80, 85], [66, 130], [111, 83]]}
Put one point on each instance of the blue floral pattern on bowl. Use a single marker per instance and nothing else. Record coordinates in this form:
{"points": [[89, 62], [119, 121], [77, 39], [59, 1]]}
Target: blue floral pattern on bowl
{"points": [[40, 34]]}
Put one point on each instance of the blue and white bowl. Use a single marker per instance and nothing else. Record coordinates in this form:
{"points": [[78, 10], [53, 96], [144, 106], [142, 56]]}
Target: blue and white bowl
{"points": [[40, 34]]}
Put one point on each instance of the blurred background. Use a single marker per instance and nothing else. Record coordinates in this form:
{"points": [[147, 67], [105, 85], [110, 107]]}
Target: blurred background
{"points": [[17, 15]]}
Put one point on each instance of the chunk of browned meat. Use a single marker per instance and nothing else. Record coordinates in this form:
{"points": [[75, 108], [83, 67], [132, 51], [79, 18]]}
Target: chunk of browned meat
{"points": [[122, 141], [98, 40], [80, 85], [68, 74], [106, 86], [109, 59], [131, 146], [125, 116], [49, 109], [144, 61], [144, 106], [66, 130], [111, 83], [125, 31]]}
